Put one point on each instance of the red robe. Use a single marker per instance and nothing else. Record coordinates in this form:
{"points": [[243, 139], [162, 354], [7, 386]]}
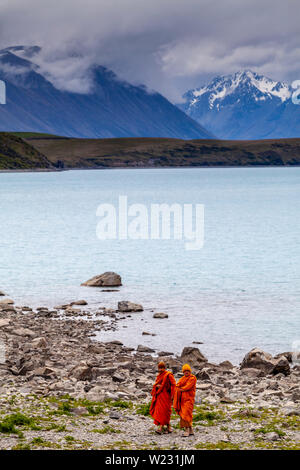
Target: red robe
{"points": [[184, 399], [162, 397]]}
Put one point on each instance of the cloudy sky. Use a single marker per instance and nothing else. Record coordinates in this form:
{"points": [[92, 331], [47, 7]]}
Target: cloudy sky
{"points": [[169, 45]]}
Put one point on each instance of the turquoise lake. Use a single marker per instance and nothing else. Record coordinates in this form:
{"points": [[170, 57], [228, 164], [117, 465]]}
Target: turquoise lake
{"points": [[241, 290]]}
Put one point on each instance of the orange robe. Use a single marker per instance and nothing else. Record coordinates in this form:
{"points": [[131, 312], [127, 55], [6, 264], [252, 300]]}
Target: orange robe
{"points": [[184, 399], [162, 397]]}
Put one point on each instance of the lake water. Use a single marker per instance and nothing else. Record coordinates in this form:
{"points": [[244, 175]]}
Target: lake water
{"points": [[241, 290]]}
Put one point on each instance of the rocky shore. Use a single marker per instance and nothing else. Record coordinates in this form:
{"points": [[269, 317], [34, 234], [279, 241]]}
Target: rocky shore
{"points": [[61, 389]]}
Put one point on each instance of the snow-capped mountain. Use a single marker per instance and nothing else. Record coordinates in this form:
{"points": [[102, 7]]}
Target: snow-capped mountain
{"points": [[112, 108], [244, 105]]}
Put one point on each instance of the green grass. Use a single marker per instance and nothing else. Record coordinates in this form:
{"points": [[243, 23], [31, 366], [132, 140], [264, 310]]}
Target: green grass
{"points": [[56, 427], [143, 409], [121, 404], [22, 446], [221, 445], [64, 408], [270, 428], [32, 135], [209, 416], [107, 430], [16, 154], [9, 423], [66, 403], [40, 442]]}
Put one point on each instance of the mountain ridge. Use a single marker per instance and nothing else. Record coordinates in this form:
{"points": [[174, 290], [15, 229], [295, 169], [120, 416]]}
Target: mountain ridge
{"points": [[244, 105], [113, 108]]}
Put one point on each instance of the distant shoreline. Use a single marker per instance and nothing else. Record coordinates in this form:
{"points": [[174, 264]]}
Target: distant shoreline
{"points": [[53, 154], [59, 170]]}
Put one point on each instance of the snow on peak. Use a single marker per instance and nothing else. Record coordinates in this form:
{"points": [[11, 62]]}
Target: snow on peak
{"points": [[259, 86]]}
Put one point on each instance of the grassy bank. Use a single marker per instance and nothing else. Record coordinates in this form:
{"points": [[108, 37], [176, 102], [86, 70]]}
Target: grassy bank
{"points": [[31, 422], [17, 154], [34, 150]]}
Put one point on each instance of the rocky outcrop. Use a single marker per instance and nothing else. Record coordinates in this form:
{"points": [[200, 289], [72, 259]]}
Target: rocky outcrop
{"points": [[126, 306], [192, 355], [107, 279], [288, 355], [263, 361]]}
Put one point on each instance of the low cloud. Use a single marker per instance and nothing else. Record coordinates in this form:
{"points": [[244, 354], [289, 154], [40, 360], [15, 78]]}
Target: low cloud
{"points": [[169, 45]]}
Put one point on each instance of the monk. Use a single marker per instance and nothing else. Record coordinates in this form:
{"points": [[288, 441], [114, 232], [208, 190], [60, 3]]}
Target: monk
{"points": [[184, 399], [162, 397]]}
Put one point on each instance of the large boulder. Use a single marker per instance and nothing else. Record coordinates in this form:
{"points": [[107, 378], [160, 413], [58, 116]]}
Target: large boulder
{"points": [[281, 366], [108, 279], [126, 306], [81, 371], [192, 355], [6, 302], [261, 360], [287, 354]]}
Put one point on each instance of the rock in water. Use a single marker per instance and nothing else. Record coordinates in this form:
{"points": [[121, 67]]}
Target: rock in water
{"points": [[1, 293], [79, 302], [192, 355], [160, 315], [126, 306], [144, 349], [108, 279]]}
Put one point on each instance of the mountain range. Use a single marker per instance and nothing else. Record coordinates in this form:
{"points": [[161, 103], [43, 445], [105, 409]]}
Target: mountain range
{"points": [[244, 105], [241, 106], [113, 108]]}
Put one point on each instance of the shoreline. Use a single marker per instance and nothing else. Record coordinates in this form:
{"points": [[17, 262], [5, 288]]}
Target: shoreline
{"points": [[58, 373], [204, 167]]}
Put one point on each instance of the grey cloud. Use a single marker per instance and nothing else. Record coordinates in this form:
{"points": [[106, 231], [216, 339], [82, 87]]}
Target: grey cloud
{"points": [[169, 45]]}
